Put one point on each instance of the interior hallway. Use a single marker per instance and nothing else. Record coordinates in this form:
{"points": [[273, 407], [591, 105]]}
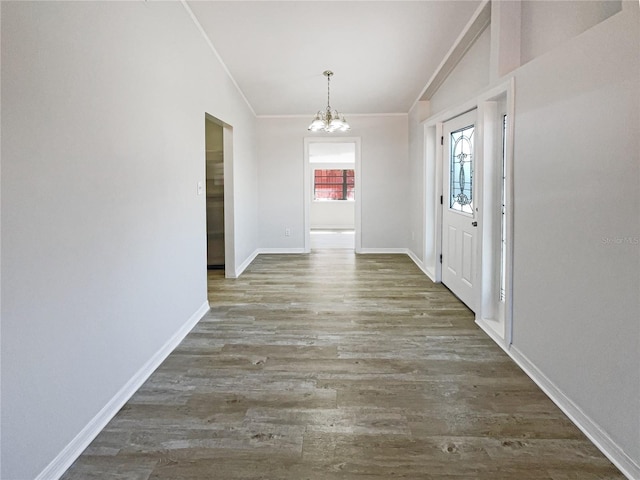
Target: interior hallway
{"points": [[336, 366]]}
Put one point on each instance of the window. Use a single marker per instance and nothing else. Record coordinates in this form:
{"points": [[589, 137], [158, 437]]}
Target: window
{"points": [[461, 176], [503, 222], [333, 185]]}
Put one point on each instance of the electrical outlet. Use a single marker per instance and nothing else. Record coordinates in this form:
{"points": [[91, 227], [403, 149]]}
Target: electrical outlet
{"points": [[287, 232]]}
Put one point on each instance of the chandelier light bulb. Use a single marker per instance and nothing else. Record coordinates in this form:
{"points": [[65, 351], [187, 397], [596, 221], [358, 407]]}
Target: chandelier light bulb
{"points": [[318, 123]]}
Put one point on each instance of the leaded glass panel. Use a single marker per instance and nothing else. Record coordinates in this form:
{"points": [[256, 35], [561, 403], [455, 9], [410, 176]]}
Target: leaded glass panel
{"points": [[503, 223], [461, 174]]}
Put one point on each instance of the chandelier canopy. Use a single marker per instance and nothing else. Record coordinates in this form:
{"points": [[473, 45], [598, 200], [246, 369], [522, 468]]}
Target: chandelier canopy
{"points": [[329, 120]]}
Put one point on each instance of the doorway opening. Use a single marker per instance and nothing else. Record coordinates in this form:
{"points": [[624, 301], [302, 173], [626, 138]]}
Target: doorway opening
{"points": [[219, 210], [468, 221], [331, 193], [214, 175], [476, 212]]}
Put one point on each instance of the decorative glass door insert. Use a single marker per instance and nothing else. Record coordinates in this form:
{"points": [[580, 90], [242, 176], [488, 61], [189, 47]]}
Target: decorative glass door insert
{"points": [[461, 174]]}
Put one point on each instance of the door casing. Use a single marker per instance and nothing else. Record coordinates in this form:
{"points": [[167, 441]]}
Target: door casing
{"points": [[497, 325], [308, 188]]}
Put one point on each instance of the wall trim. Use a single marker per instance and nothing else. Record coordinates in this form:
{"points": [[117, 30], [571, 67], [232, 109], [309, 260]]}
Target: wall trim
{"points": [[306, 115], [329, 226], [243, 266], [484, 325], [479, 21], [590, 428], [383, 251], [283, 251], [420, 264], [215, 52], [61, 463]]}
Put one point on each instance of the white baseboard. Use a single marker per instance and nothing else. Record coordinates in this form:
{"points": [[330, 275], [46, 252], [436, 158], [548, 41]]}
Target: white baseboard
{"points": [[283, 251], [591, 429], [72, 451], [383, 251], [492, 333], [419, 263], [332, 227], [426, 270], [431, 273], [245, 264]]}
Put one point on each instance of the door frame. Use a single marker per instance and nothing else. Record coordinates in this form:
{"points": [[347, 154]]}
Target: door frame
{"points": [[495, 317], [308, 188], [434, 158], [229, 210], [463, 120]]}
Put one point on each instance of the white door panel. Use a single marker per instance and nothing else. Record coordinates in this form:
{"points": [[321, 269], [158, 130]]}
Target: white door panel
{"points": [[451, 258], [458, 210], [467, 258]]}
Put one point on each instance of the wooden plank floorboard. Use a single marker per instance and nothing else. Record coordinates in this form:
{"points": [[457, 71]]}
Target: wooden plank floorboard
{"points": [[332, 366]]}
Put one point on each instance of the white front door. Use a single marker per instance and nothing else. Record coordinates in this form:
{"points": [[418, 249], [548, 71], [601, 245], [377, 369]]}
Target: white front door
{"points": [[459, 208]]}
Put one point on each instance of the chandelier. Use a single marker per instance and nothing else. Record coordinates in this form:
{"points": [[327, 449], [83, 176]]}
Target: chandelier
{"points": [[329, 120]]}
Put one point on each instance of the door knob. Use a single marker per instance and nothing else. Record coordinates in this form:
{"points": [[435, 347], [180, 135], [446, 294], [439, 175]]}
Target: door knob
{"points": [[474, 224]]}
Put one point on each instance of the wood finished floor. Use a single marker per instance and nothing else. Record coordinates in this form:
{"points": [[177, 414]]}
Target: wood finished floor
{"points": [[335, 366]]}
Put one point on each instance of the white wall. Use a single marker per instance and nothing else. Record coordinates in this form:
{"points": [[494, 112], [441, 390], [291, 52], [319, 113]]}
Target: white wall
{"points": [[418, 197], [469, 77], [577, 230], [329, 215], [547, 24], [383, 177], [103, 235], [577, 171]]}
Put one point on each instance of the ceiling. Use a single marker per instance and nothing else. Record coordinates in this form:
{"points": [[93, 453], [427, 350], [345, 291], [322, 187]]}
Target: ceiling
{"points": [[382, 52]]}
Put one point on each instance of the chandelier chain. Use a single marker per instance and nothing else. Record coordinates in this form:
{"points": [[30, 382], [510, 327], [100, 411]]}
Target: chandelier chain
{"points": [[328, 93]]}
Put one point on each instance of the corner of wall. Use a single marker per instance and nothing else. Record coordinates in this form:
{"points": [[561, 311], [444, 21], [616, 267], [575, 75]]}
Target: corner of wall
{"points": [[584, 422], [81, 441]]}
